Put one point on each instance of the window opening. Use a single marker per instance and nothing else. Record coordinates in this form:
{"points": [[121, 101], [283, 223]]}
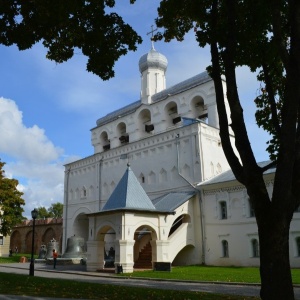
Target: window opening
{"points": [[255, 248], [225, 248], [223, 210]]}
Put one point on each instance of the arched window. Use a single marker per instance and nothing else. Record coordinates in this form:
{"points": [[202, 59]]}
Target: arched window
{"points": [[199, 110], [255, 248], [142, 178], [298, 245], [144, 121], [83, 192], [122, 134], [223, 210], [105, 142], [225, 249], [171, 113]]}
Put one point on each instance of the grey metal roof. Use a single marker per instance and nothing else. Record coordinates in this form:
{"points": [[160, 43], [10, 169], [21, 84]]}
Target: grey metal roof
{"points": [[182, 86], [169, 202], [128, 194], [119, 113], [229, 176]]}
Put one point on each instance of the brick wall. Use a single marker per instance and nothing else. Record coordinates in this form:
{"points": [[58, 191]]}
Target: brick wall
{"points": [[45, 230]]}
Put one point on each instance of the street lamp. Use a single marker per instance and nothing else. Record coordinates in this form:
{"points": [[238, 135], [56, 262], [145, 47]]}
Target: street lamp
{"points": [[34, 214]]}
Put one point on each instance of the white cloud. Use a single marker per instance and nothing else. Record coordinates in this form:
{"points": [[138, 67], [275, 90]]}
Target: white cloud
{"points": [[19, 141], [32, 159]]}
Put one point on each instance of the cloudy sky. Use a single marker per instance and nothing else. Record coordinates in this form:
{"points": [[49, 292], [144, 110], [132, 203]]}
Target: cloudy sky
{"points": [[47, 110]]}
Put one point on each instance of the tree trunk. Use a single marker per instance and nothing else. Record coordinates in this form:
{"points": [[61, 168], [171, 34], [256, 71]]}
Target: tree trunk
{"points": [[275, 273]]}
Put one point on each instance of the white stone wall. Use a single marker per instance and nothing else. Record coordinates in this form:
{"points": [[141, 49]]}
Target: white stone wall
{"points": [[191, 103], [238, 229], [170, 157]]}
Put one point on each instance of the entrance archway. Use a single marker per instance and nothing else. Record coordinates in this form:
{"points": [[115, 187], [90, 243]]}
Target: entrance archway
{"points": [[106, 238], [143, 236]]}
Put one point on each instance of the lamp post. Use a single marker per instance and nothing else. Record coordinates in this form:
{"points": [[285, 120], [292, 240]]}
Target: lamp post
{"points": [[34, 214]]}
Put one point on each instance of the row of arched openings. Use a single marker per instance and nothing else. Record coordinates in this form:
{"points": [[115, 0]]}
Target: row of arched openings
{"points": [[145, 125]]}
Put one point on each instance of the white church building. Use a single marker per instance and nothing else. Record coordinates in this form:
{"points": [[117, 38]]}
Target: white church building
{"points": [[158, 190]]}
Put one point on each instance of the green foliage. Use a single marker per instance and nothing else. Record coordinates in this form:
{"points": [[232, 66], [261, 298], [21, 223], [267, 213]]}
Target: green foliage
{"points": [[260, 46], [42, 213], [54, 211], [263, 35], [10, 203], [63, 26]]}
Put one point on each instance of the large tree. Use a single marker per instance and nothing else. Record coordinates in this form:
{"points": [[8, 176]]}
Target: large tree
{"points": [[265, 36], [54, 211], [10, 203], [63, 26]]}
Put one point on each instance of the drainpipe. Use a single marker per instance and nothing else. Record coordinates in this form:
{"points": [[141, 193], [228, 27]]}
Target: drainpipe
{"points": [[66, 202], [200, 200], [100, 181]]}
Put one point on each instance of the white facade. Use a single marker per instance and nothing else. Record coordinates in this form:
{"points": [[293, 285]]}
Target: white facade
{"points": [[171, 139], [230, 230]]}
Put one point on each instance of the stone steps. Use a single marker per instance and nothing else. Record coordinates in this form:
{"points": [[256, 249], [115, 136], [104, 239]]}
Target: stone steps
{"points": [[145, 258]]}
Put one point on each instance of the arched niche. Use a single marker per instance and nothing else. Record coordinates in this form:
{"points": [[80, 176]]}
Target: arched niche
{"points": [[15, 240], [104, 141], [81, 226], [145, 122], [199, 110], [122, 134], [171, 114], [107, 235], [48, 235]]}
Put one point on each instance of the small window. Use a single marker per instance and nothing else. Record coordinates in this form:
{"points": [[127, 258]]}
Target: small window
{"points": [[223, 210], [255, 248], [1, 240], [83, 192], [298, 245], [225, 248]]}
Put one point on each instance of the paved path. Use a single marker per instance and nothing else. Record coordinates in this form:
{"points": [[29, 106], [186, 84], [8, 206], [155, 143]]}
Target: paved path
{"points": [[77, 272]]}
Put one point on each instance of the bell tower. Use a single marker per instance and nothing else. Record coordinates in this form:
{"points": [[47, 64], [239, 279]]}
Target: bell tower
{"points": [[153, 66]]}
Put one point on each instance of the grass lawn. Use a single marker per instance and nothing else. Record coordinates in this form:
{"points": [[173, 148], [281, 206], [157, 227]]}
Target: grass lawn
{"points": [[15, 258], [205, 273]]}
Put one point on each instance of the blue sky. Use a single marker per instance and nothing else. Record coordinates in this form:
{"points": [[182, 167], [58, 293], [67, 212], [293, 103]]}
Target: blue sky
{"points": [[47, 110]]}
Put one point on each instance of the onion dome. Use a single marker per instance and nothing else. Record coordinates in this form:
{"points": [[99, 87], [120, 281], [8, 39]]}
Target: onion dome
{"points": [[153, 59]]}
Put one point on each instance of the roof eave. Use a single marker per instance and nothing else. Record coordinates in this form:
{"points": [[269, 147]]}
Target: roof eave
{"points": [[119, 210]]}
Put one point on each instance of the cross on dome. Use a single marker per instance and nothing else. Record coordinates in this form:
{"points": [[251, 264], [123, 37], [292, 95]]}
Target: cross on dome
{"points": [[151, 32]]}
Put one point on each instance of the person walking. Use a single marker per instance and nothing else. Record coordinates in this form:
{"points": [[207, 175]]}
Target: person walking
{"points": [[54, 255]]}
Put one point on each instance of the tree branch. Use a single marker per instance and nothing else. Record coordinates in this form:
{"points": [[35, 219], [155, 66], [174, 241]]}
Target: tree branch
{"points": [[238, 124], [223, 118]]}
